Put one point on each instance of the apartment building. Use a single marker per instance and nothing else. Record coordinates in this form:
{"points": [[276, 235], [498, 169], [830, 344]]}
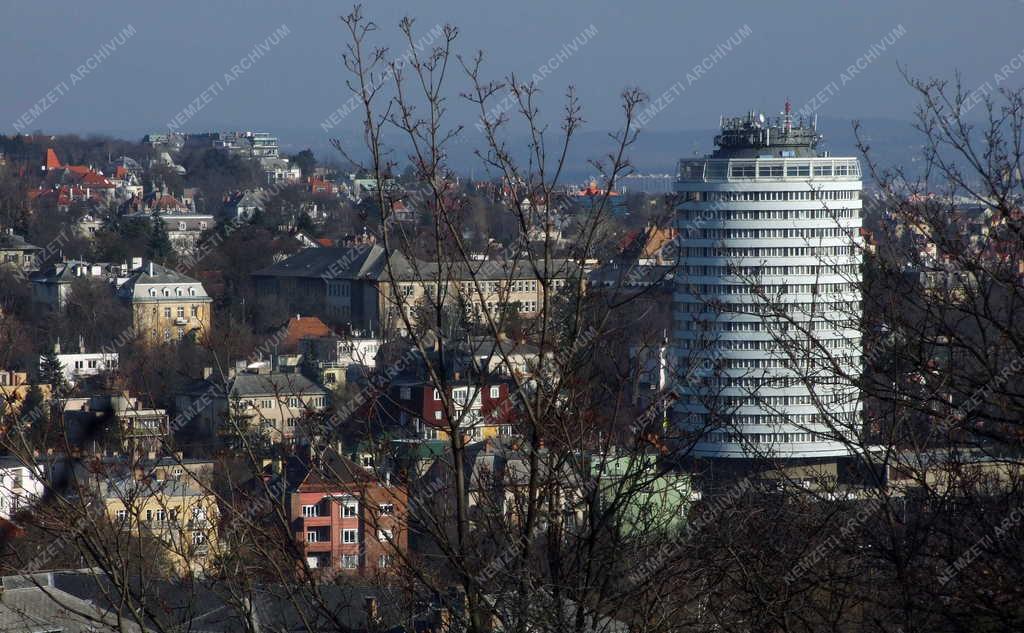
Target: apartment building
{"points": [[347, 519]]}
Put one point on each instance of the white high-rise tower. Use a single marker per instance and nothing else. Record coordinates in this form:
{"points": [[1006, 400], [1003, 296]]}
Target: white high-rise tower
{"points": [[766, 337]]}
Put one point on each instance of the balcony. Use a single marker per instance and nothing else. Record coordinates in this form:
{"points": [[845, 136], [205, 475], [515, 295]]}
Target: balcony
{"points": [[180, 321]]}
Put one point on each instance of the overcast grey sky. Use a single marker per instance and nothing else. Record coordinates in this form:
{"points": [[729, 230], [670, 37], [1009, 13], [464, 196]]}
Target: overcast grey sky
{"points": [[794, 48]]}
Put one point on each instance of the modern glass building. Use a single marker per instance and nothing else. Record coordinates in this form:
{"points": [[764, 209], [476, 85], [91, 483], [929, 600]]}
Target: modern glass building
{"points": [[767, 304]]}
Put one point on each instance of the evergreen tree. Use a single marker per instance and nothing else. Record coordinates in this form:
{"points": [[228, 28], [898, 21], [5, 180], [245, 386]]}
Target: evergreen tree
{"points": [[51, 372], [159, 248]]}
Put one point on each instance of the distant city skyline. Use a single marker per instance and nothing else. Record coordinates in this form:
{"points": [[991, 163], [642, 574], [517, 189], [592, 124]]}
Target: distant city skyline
{"points": [[203, 67]]}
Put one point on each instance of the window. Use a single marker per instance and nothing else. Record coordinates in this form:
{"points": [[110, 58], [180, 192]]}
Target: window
{"points": [[122, 515], [311, 511], [181, 312], [293, 402], [198, 538], [385, 560], [312, 536], [437, 415], [167, 313], [149, 516], [349, 536], [161, 515], [505, 430], [387, 509], [437, 395], [385, 536], [495, 392], [798, 170], [349, 561], [350, 509], [405, 393], [460, 395]]}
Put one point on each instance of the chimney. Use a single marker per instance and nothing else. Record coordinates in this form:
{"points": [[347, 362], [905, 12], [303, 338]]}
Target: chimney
{"points": [[150, 268]]}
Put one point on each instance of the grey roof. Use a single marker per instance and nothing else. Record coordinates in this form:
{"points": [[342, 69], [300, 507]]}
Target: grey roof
{"points": [[151, 273], [363, 261], [32, 604], [13, 241], [368, 262], [248, 385]]}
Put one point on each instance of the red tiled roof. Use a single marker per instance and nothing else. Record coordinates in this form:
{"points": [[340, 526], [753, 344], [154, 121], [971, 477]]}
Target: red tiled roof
{"points": [[325, 241], [300, 327], [52, 162]]}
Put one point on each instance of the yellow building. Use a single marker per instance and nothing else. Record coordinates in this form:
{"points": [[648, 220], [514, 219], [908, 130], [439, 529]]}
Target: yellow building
{"points": [[14, 387], [178, 511], [166, 304]]}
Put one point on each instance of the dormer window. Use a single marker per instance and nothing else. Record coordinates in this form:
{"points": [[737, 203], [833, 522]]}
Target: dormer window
{"points": [[181, 226], [152, 292], [192, 292], [167, 292], [177, 292]]}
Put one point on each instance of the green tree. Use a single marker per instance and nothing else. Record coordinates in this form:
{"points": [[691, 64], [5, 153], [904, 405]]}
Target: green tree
{"points": [[51, 372], [160, 247]]}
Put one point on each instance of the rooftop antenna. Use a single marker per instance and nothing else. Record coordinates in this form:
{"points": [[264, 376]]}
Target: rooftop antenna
{"points": [[788, 119]]}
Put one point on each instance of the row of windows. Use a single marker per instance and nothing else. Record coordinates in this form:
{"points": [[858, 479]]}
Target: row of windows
{"points": [[762, 346], [763, 438], [349, 509], [771, 401], [758, 271], [180, 312], [338, 289], [178, 292], [762, 234], [710, 419], [781, 251], [771, 196], [805, 364], [766, 289], [769, 382], [747, 170], [709, 215], [761, 326], [847, 307]]}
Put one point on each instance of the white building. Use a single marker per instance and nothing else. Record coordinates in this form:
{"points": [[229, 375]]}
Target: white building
{"points": [[19, 486], [77, 366], [767, 293]]}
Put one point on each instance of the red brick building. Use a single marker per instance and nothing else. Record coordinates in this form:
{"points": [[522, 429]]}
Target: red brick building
{"points": [[346, 518]]}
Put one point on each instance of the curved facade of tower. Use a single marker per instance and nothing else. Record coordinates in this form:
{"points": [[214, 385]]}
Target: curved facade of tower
{"points": [[767, 303]]}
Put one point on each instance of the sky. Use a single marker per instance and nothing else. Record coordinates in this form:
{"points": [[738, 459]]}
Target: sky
{"points": [[174, 51]]}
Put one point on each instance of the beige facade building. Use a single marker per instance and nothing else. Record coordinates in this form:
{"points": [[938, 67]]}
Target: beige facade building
{"points": [[166, 305]]}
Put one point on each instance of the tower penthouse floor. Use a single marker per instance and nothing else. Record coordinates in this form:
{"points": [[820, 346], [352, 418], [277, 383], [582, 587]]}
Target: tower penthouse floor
{"points": [[767, 302]]}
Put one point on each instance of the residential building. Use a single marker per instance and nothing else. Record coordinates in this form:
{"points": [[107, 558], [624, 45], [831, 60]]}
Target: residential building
{"points": [[166, 304], [355, 285], [771, 227], [80, 365], [280, 170], [253, 400], [647, 497], [139, 429], [52, 287], [14, 386], [17, 254], [346, 519], [20, 486], [177, 511]]}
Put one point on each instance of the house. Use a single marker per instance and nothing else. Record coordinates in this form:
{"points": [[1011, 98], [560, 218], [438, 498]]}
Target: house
{"points": [[280, 171], [253, 400], [184, 226], [19, 485], [244, 205], [345, 518], [80, 365], [334, 359], [166, 305], [179, 512], [647, 497], [31, 603], [358, 285], [52, 286], [139, 429], [18, 255], [14, 386]]}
